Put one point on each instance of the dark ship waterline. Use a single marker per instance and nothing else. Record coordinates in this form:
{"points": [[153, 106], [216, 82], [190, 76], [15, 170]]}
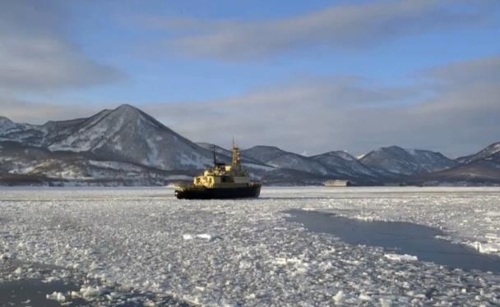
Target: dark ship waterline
{"points": [[221, 182]]}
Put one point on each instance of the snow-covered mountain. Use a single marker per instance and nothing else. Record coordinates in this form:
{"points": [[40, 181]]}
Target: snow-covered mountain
{"points": [[124, 134], [130, 135], [343, 163], [480, 168], [477, 172], [36, 164], [281, 159], [22, 133], [263, 153], [400, 161], [317, 169], [486, 152], [6, 124], [124, 138], [127, 143]]}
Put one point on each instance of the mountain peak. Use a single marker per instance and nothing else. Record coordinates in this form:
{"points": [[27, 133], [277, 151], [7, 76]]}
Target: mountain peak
{"points": [[127, 108], [494, 147], [4, 119], [344, 155], [338, 153], [263, 153], [267, 147], [392, 148], [484, 153], [399, 160], [6, 123]]}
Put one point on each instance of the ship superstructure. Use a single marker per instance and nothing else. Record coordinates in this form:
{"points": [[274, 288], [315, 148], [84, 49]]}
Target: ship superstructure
{"points": [[221, 181]]}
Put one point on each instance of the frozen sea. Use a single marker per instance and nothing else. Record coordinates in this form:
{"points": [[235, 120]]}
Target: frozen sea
{"points": [[107, 242]]}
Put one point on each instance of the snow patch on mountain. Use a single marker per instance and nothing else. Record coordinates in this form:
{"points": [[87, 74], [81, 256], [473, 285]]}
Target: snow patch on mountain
{"points": [[346, 165], [345, 155], [401, 161], [278, 158], [263, 153], [6, 124], [484, 153], [95, 132]]}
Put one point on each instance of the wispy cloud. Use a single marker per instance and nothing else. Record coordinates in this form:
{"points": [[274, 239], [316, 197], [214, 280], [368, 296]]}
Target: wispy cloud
{"points": [[24, 111], [336, 113], [353, 114], [36, 53], [338, 27], [486, 69]]}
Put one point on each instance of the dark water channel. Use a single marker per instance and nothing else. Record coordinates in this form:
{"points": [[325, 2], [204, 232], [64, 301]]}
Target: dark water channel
{"points": [[33, 292], [398, 237]]}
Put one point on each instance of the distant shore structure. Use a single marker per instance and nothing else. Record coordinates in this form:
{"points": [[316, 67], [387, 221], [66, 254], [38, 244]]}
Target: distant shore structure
{"points": [[338, 183]]}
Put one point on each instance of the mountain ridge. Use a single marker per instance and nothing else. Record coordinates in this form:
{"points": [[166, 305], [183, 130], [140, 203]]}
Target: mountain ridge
{"points": [[130, 136], [484, 153], [400, 161]]}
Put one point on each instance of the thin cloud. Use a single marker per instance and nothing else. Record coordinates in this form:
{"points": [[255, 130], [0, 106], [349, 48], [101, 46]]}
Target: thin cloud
{"points": [[37, 113], [338, 113], [348, 26], [36, 53], [485, 69]]}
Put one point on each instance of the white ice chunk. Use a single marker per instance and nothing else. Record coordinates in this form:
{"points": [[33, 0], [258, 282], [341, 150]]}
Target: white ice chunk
{"points": [[74, 294], [88, 292], [56, 296], [364, 297], [50, 279], [486, 248], [398, 257], [204, 236], [338, 297]]}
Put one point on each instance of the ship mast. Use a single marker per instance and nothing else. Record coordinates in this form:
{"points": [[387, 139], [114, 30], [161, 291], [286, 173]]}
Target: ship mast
{"points": [[213, 151], [236, 155]]}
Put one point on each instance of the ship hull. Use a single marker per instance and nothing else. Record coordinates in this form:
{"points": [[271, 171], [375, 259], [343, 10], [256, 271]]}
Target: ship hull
{"points": [[251, 191]]}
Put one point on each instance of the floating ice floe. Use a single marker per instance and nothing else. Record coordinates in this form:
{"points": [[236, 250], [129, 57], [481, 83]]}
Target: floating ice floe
{"points": [[56, 296], [89, 291], [397, 257], [204, 236], [338, 297], [187, 237], [147, 240], [50, 279], [486, 247]]}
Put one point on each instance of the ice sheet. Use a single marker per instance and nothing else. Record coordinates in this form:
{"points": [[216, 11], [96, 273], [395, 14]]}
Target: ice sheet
{"points": [[226, 252]]}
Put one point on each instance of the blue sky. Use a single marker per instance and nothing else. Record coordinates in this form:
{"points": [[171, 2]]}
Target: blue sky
{"points": [[306, 76]]}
